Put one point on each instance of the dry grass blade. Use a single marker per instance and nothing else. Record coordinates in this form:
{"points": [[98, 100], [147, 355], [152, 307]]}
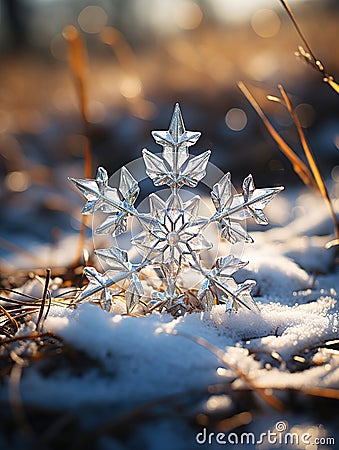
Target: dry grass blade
{"points": [[10, 318], [334, 85], [78, 64], [22, 294], [312, 177], [268, 398], [306, 148], [316, 391], [289, 11], [234, 422], [332, 243], [307, 55], [44, 296], [321, 392], [310, 158], [298, 165], [32, 336]]}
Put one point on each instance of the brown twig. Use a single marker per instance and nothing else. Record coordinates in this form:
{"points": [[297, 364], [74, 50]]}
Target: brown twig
{"points": [[315, 391], [299, 166], [307, 55], [311, 177], [320, 392], [311, 161], [78, 64], [10, 318], [289, 11], [44, 296], [31, 336]]}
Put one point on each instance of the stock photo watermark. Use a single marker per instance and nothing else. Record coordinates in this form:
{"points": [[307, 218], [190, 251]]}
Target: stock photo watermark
{"points": [[279, 435]]}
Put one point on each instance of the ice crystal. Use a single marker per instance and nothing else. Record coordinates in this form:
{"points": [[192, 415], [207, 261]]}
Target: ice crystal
{"points": [[172, 237]]}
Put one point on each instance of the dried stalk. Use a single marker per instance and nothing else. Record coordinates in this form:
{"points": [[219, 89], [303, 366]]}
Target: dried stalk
{"points": [[44, 296], [10, 318], [313, 177], [312, 163], [299, 166], [304, 52]]}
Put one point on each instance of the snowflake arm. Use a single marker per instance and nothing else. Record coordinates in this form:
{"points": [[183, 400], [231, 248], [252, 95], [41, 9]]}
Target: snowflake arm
{"points": [[116, 258], [101, 282], [133, 293], [220, 285], [232, 208], [176, 135], [98, 286], [100, 196], [175, 168]]}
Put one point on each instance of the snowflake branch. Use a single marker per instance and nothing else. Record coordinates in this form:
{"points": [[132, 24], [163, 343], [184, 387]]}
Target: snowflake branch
{"points": [[110, 282], [228, 212]]}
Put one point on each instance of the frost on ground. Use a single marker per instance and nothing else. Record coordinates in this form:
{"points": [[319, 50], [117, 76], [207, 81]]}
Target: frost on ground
{"points": [[150, 382]]}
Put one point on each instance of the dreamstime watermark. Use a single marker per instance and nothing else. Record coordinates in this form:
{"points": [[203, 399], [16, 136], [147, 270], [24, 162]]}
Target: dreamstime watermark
{"points": [[278, 436]]}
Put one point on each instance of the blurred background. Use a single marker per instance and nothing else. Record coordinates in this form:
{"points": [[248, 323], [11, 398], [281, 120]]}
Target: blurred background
{"points": [[142, 57]]}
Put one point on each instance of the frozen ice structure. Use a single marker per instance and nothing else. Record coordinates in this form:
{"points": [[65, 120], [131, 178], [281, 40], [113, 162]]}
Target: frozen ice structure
{"points": [[172, 236]]}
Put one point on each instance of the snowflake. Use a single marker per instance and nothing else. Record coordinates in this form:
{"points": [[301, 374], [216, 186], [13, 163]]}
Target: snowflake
{"points": [[172, 236]]}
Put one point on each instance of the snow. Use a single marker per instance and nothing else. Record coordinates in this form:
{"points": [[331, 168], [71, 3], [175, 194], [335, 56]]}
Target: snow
{"points": [[140, 359]]}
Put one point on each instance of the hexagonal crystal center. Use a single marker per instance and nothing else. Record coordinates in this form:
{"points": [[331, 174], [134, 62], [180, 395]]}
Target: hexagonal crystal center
{"points": [[173, 238]]}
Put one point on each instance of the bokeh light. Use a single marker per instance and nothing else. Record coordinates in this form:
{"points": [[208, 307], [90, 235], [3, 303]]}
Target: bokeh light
{"points": [[17, 181], [92, 19], [218, 402], [265, 23], [130, 87], [188, 15], [236, 119]]}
